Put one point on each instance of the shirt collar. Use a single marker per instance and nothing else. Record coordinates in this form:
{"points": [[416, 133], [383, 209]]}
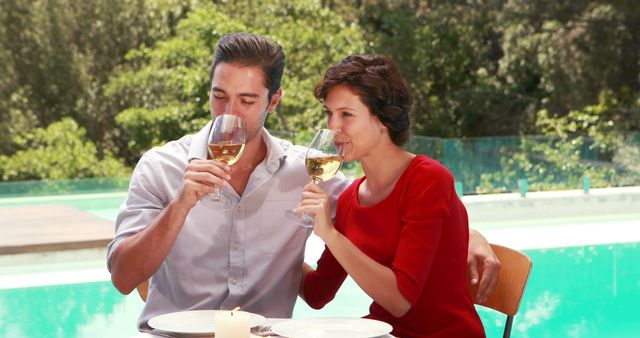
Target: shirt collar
{"points": [[276, 154], [198, 147], [275, 150]]}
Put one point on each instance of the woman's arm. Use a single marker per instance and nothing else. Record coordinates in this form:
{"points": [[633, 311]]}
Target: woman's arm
{"points": [[319, 287], [306, 270], [375, 279]]}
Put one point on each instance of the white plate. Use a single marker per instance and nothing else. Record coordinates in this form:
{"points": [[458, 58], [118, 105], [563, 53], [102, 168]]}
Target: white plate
{"points": [[197, 322], [332, 327]]}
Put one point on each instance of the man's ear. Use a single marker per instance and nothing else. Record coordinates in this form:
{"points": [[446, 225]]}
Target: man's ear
{"points": [[275, 99]]}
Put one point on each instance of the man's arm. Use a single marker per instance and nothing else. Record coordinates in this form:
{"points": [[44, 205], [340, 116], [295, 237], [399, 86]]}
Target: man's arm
{"points": [[483, 265], [139, 256]]}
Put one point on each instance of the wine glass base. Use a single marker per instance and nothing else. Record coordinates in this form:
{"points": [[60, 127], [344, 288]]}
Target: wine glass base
{"points": [[303, 220], [219, 200]]}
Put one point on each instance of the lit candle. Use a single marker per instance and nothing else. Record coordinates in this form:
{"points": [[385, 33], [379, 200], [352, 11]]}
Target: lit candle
{"points": [[232, 324]]}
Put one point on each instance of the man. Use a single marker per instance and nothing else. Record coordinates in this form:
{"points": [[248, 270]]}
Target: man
{"points": [[202, 256]]}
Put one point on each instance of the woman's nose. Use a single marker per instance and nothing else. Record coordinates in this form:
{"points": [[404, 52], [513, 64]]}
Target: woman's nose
{"points": [[334, 123]]}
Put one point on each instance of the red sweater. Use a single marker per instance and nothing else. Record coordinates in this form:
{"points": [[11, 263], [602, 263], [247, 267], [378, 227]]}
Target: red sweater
{"points": [[421, 232]]}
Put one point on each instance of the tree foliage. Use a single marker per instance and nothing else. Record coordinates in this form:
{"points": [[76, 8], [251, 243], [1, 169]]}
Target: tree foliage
{"points": [[164, 89], [484, 68], [134, 73], [585, 143], [57, 152], [57, 56]]}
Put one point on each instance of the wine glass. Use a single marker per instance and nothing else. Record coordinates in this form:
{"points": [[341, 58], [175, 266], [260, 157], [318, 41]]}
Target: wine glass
{"points": [[226, 143], [322, 160]]}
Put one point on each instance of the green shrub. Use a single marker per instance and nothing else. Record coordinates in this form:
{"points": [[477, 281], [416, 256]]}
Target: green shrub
{"points": [[60, 151]]}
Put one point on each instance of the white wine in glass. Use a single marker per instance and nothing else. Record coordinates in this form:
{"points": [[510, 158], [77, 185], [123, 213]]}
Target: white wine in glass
{"points": [[322, 168], [226, 143], [322, 161], [226, 151]]}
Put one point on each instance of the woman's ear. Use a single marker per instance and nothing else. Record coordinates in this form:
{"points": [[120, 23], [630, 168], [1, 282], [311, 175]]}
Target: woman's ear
{"points": [[379, 124]]}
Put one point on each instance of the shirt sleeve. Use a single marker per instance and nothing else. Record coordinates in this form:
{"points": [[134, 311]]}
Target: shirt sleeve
{"points": [[426, 204], [320, 286], [334, 188], [141, 206]]}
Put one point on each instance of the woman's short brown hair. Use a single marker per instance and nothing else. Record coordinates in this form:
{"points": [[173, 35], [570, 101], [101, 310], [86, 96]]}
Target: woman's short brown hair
{"points": [[378, 83]]}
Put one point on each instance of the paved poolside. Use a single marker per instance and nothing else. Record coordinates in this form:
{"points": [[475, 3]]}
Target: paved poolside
{"points": [[553, 219], [38, 228]]}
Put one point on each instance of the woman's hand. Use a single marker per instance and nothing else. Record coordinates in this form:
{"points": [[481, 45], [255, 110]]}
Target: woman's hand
{"points": [[315, 202], [483, 265]]}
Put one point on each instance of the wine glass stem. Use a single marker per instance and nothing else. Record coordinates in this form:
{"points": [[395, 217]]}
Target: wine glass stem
{"points": [[220, 187], [217, 195], [316, 180]]}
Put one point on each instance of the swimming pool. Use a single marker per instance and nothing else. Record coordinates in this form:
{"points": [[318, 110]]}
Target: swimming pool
{"points": [[576, 291], [583, 291]]}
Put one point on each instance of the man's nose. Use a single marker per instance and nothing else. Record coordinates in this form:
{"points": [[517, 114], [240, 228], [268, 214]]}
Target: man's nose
{"points": [[232, 107]]}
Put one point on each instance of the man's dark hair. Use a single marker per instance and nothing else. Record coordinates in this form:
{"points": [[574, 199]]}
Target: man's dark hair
{"points": [[377, 81], [252, 50]]}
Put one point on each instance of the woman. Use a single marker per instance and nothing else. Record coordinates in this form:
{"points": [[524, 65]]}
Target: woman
{"points": [[400, 231]]}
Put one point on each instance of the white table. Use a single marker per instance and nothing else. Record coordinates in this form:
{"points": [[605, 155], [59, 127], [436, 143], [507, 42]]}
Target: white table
{"points": [[270, 321]]}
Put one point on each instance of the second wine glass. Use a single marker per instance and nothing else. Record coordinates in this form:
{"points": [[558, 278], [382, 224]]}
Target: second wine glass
{"points": [[226, 143], [322, 161]]}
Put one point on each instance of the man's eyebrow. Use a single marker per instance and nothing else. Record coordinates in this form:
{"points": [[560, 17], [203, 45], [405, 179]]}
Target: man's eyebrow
{"points": [[220, 90]]}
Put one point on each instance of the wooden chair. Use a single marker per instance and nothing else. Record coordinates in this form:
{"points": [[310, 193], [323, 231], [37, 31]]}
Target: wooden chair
{"points": [[514, 273], [143, 289]]}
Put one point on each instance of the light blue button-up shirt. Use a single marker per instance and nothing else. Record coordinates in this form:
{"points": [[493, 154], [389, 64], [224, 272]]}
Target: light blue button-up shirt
{"points": [[249, 255]]}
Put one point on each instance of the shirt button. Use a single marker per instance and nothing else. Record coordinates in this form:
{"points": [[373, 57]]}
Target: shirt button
{"points": [[236, 245], [234, 281]]}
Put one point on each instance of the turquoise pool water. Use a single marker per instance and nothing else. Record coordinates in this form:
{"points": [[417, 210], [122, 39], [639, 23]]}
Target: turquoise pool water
{"points": [[103, 205], [579, 291], [587, 291]]}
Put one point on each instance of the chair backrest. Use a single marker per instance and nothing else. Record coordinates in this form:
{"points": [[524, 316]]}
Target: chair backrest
{"points": [[143, 289], [512, 280]]}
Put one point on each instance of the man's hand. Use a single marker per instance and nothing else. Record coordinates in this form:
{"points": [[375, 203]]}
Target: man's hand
{"points": [[483, 266], [202, 177]]}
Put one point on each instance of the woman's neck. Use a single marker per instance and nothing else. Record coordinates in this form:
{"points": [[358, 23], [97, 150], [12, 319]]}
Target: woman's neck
{"points": [[383, 167]]}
